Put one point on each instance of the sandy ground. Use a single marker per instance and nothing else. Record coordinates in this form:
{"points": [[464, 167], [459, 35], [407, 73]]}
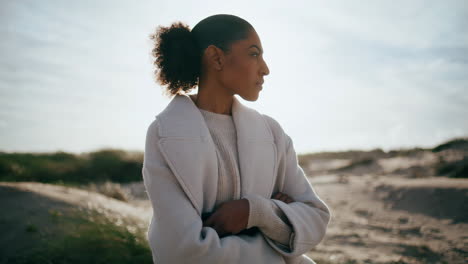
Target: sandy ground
{"points": [[30, 210], [375, 219], [84, 199], [380, 219]]}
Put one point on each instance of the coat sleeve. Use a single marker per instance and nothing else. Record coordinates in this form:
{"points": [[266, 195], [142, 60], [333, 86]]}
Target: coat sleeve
{"points": [[269, 218], [176, 233], [308, 215]]}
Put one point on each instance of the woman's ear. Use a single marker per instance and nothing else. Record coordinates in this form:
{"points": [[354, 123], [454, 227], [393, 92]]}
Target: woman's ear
{"points": [[215, 57]]}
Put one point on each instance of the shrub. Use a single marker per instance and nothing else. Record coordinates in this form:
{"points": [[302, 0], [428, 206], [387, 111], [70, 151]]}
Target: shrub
{"points": [[99, 166]]}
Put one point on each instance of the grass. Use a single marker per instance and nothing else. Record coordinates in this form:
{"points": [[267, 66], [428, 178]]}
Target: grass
{"points": [[61, 167], [84, 237]]}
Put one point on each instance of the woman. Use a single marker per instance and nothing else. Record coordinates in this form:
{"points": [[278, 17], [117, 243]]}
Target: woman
{"points": [[223, 179]]}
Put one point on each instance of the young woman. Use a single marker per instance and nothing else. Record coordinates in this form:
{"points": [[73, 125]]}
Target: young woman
{"points": [[223, 179]]}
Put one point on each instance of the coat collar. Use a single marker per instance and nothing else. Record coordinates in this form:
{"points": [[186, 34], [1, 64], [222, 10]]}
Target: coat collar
{"points": [[182, 118], [189, 150]]}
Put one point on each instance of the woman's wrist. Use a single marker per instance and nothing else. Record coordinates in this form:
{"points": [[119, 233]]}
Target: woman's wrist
{"points": [[257, 207]]}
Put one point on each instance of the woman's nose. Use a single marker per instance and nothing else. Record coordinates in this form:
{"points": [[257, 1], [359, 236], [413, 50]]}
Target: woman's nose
{"points": [[265, 69]]}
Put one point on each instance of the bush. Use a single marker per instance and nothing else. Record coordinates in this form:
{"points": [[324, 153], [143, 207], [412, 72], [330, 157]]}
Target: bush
{"points": [[60, 167], [458, 143], [456, 169]]}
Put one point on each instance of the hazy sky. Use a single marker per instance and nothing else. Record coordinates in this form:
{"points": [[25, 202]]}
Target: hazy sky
{"points": [[78, 75]]}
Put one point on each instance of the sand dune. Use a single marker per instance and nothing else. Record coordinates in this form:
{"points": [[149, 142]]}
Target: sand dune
{"points": [[382, 219]]}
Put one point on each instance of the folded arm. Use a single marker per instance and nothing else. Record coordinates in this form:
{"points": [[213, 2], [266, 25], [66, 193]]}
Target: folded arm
{"points": [[176, 234], [308, 216], [269, 218]]}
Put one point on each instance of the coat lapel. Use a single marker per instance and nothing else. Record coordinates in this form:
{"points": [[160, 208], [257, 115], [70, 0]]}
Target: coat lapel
{"points": [[187, 146], [257, 151]]}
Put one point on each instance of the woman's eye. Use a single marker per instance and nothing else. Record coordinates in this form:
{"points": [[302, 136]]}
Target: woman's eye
{"points": [[255, 54]]}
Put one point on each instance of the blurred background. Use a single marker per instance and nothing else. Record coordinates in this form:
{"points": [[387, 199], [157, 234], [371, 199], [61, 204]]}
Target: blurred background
{"points": [[374, 95]]}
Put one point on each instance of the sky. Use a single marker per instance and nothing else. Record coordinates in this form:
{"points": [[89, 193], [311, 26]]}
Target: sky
{"points": [[77, 76]]}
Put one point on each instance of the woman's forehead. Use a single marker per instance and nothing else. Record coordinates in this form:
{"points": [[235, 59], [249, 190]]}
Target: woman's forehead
{"points": [[252, 41]]}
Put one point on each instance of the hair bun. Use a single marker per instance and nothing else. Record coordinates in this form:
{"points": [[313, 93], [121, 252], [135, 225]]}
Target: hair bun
{"points": [[177, 57]]}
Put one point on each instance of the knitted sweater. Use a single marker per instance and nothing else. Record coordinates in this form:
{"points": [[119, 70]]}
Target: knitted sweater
{"points": [[264, 214]]}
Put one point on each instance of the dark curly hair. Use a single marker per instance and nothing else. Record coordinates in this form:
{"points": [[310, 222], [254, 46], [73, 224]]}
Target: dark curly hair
{"points": [[178, 50]]}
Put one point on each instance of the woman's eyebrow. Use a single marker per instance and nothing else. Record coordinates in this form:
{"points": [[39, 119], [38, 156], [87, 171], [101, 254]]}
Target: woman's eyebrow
{"points": [[255, 46]]}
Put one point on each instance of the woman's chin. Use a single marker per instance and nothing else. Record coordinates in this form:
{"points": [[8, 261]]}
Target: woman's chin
{"points": [[250, 97]]}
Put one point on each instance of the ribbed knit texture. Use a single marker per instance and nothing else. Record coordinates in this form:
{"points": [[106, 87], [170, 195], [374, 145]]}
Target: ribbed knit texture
{"points": [[263, 212], [224, 135]]}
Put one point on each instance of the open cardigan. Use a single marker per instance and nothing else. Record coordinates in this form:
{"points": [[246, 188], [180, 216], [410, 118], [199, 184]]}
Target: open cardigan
{"points": [[180, 174]]}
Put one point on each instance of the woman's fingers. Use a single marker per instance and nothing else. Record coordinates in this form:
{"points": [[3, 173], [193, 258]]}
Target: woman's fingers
{"points": [[279, 196], [210, 221], [283, 197], [220, 230]]}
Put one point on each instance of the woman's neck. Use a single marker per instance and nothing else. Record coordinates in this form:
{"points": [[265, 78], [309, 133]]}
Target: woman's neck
{"points": [[214, 100]]}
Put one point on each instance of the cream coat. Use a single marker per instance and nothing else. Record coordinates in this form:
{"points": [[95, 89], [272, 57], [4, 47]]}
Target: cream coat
{"points": [[180, 174]]}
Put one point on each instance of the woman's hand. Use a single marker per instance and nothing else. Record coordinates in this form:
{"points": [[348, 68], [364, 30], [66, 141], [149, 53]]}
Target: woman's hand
{"points": [[230, 218], [283, 197]]}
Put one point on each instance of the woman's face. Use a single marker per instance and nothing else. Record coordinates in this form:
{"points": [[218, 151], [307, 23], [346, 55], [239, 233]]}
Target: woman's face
{"points": [[244, 67]]}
